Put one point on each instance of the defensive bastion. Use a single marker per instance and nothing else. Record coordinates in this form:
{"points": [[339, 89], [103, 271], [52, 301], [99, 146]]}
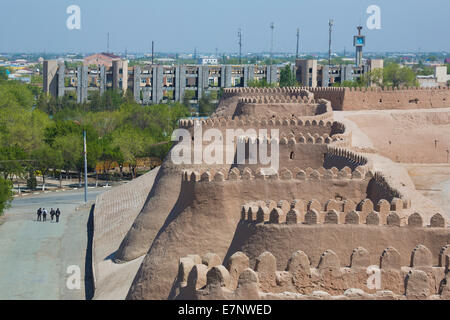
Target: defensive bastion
{"points": [[327, 199]]}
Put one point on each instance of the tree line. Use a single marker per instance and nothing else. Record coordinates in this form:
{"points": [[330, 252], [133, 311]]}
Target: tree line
{"points": [[392, 75], [40, 134]]}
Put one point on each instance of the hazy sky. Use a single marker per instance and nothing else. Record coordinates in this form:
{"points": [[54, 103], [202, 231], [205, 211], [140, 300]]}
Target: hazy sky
{"points": [[181, 25]]}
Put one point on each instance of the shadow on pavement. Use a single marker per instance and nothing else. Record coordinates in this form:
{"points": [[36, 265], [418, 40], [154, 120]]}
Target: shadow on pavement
{"points": [[89, 286]]}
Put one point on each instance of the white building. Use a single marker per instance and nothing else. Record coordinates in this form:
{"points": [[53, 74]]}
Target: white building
{"points": [[439, 78], [208, 61]]}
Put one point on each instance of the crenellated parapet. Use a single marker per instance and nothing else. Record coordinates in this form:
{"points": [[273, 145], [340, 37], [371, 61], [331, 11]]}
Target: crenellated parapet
{"points": [[372, 98], [398, 90], [339, 157], [290, 131], [243, 122], [265, 99], [230, 92], [387, 98], [323, 89], [339, 212], [380, 187], [274, 105], [374, 89], [360, 173], [330, 279], [382, 184], [292, 140]]}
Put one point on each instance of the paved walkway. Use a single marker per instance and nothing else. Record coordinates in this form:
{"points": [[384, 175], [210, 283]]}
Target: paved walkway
{"points": [[34, 256]]}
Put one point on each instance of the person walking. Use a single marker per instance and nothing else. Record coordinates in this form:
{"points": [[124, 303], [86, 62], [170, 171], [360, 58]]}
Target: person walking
{"points": [[44, 215], [39, 213], [52, 214], [57, 213]]}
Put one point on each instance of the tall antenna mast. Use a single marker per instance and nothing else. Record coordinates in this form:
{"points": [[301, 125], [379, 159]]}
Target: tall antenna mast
{"points": [[330, 24], [240, 45], [153, 50], [359, 42], [298, 41], [272, 26], [107, 44]]}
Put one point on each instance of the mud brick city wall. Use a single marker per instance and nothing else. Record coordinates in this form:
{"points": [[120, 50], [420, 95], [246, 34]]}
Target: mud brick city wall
{"points": [[348, 99]]}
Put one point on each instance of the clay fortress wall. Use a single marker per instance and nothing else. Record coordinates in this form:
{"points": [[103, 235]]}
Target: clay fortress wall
{"points": [[336, 201], [348, 99], [332, 277]]}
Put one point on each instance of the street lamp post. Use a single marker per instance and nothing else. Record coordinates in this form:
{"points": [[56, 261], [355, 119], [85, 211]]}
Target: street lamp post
{"points": [[240, 45], [85, 161], [85, 167], [272, 26], [330, 25]]}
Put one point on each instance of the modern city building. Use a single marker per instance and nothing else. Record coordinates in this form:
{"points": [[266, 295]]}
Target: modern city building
{"points": [[164, 83], [151, 83], [310, 74], [438, 79]]}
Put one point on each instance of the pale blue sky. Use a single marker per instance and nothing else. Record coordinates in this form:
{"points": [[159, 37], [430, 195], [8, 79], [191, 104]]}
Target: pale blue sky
{"points": [[181, 25]]}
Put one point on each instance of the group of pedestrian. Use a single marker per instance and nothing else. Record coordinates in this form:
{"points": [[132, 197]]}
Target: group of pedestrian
{"points": [[42, 214]]}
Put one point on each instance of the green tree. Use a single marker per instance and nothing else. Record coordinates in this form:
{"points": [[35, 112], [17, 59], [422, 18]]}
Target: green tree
{"points": [[205, 106], [47, 103], [67, 136], [132, 143], [3, 73], [31, 180], [109, 155], [188, 95], [260, 84], [46, 158], [287, 78], [37, 79], [110, 100], [347, 84], [6, 194], [36, 126], [374, 77], [12, 161], [20, 124], [16, 94], [71, 148], [395, 76]]}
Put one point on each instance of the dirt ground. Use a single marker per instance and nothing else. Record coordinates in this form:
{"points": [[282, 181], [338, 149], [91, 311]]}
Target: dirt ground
{"points": [[408, 136], [418, 139], [433, 181]]}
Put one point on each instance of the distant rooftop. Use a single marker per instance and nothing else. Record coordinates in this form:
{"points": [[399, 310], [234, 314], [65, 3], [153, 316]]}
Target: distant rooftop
{"points": [[113, 56], [106, 54]]}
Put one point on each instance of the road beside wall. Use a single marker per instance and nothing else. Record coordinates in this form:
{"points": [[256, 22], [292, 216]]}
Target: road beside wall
{"points": [[34, 256]]}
